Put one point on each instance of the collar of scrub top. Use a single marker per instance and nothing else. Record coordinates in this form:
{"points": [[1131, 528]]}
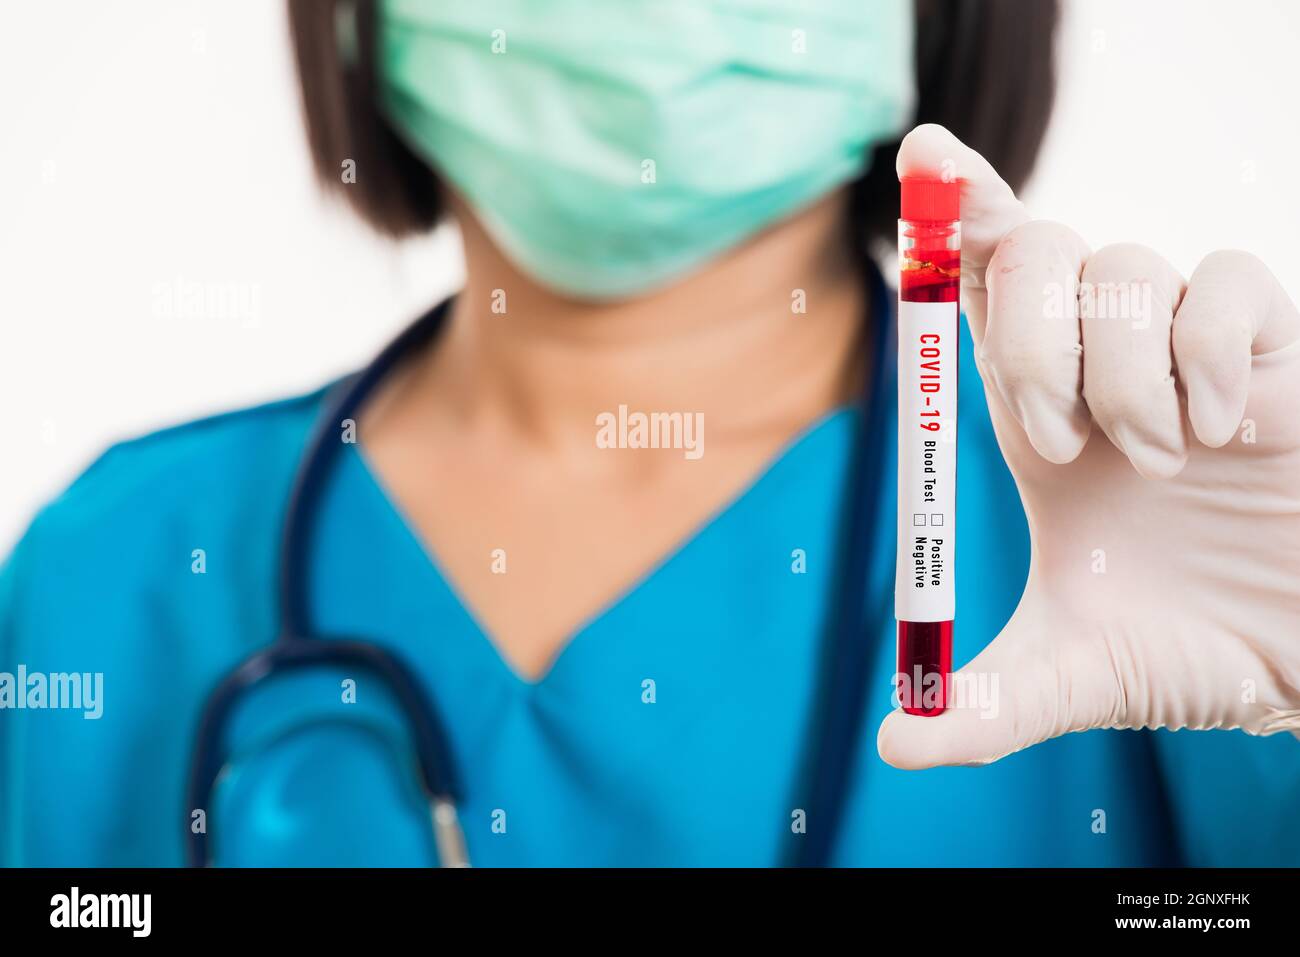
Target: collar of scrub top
{"points": [[822, 787]]}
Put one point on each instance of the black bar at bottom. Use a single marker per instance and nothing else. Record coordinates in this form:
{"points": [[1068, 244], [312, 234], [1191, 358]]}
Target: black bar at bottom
{"points": [[937, 907]]}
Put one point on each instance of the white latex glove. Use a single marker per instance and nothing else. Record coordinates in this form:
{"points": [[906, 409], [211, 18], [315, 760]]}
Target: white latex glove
{"points": [[1158, 460]]}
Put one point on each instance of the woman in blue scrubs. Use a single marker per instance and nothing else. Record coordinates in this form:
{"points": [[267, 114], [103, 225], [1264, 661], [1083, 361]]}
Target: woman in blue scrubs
{"points": [[665, 208]]}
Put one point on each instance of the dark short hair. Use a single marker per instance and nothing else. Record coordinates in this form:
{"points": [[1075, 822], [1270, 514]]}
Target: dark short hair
{"points": [[984, 69]]}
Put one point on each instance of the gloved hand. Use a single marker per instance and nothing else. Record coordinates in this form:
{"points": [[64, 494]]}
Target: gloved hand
{"points": [[1157, 455]]}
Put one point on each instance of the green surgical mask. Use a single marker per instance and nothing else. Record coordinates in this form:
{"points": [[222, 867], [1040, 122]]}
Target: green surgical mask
{"points": [[612, 146]]}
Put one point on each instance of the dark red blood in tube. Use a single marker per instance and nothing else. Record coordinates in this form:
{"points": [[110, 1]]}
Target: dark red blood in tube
{"points": [[925, 661]]}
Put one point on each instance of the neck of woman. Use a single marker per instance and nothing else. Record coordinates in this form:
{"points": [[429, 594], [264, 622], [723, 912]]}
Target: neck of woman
{"points": [[761, 341]]}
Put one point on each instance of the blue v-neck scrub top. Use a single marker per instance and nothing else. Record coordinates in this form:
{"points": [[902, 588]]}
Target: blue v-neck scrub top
{"points": [[669, 731]]}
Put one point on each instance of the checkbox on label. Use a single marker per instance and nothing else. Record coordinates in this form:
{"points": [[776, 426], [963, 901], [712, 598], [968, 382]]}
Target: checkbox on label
{"points": [[936, 518], [918, 518]]}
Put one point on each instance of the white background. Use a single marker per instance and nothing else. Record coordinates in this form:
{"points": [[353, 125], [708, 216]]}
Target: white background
{"points": [[154, 147]]}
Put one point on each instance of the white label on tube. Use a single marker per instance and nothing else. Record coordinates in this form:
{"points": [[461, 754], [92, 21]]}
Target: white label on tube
{"points": [[927, 460]]}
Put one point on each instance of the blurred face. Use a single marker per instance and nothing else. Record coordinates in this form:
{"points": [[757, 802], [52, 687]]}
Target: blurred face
{"points": [[612, 148]]}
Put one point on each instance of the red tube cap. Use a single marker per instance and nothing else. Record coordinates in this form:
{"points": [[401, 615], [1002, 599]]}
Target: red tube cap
{"points": [[930, 200]]}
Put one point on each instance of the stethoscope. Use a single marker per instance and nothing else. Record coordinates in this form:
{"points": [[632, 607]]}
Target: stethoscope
{"points": [[822, 788]]}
